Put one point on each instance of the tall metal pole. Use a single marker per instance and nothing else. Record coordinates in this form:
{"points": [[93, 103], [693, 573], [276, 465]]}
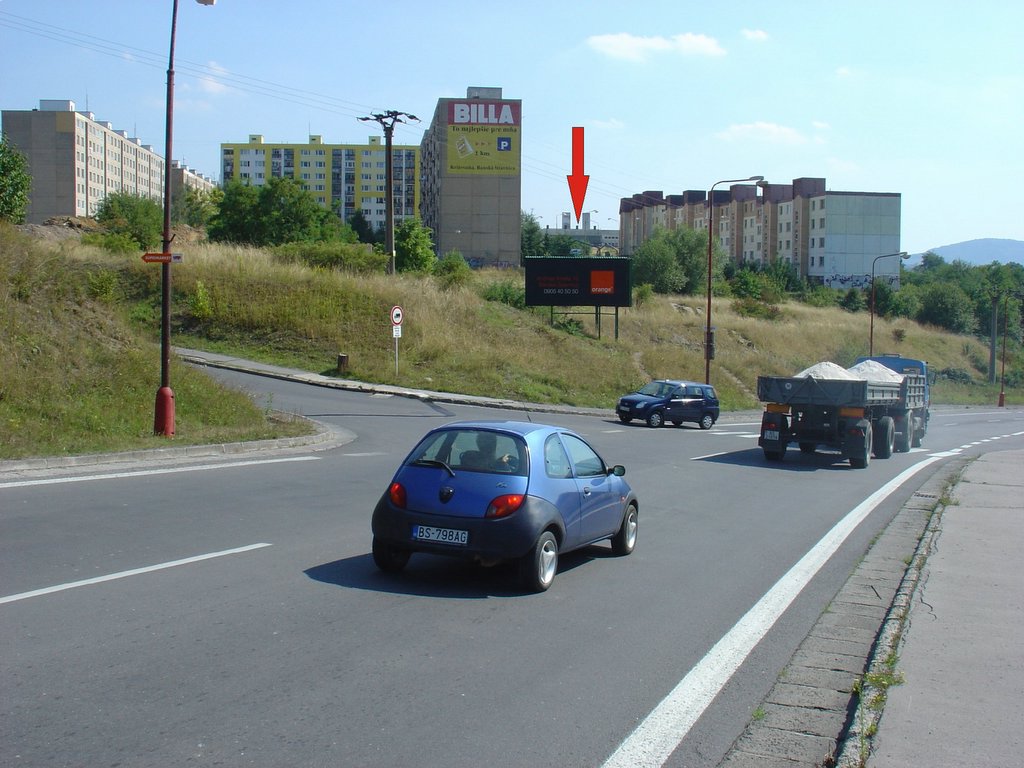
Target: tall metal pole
{"points": [[1002, 374], [389, 196], [163, 418], [709, 331], [387, 121], [163, 421], [871, 333]]}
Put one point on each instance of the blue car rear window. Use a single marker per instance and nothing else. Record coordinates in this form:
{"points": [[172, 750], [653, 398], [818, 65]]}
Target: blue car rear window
{"points": [[475, 450]]}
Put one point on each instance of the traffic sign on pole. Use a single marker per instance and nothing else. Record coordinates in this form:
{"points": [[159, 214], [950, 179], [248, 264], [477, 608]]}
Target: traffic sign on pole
{"points": [[397, 315]]}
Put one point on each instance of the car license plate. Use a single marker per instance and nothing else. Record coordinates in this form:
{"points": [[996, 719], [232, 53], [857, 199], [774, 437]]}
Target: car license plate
{"points": [[624, 408], [440, 535], [771, 434]]}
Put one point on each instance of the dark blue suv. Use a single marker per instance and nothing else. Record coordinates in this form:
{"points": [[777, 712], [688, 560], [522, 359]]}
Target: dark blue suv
{"points": [[667, 400]]}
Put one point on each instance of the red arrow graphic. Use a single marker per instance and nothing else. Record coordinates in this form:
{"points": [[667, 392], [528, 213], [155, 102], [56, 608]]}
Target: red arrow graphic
{"points": [[578, 181]]}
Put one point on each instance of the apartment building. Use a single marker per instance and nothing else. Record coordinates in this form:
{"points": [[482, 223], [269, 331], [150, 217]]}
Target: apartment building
{"points": [[342, 177], [830, 237], [75, 161], [472, 191]]}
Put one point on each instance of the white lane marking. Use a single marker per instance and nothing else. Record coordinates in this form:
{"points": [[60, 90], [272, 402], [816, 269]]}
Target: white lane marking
{"points": [[661, 732], [126, 574], [709, 455], [145, 472]]}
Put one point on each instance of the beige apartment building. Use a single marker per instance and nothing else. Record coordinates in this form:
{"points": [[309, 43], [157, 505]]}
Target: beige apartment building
{"points": [[75, 161], [472, 190], [830, 237]]}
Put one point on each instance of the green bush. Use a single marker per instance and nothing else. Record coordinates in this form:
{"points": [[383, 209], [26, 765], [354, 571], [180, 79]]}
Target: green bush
{"points": [[349, 257], [642, 294], [452, 271], [200, 303], [102, 285], [506, 292], [114, 242], [749, 307]]}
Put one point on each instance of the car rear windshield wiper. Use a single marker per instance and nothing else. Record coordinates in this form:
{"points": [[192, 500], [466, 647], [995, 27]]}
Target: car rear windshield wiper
{"points": [[433, 463]]}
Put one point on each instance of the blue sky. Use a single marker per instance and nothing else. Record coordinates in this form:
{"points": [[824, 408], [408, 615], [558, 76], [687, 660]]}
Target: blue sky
{"points": [[925, 98]]}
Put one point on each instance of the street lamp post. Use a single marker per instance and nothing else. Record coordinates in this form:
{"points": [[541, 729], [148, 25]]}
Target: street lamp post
{"points": [[871, 336], [387, 121], [709, 332], [163, 418]]}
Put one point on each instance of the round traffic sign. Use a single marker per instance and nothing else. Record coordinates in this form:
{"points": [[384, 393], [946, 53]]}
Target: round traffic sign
{"points": [[396, 315]]}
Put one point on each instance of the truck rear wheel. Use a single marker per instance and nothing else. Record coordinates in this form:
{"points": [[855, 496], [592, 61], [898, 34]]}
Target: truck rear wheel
{"points": [[862, 461], [905, 437], [884, 438]]}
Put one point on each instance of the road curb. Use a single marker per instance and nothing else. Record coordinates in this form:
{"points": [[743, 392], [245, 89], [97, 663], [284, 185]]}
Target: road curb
{"points": [[325, 437]]}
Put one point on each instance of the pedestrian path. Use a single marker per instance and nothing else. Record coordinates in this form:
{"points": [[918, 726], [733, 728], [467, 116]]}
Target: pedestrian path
{"points": [[962, 649]]}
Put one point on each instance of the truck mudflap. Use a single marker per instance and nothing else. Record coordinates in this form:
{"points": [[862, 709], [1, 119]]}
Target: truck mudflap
{"points": [[774, 435]]}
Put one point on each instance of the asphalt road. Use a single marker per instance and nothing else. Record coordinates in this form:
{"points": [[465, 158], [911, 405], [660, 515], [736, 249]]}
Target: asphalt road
{"points": [[227, 612]]}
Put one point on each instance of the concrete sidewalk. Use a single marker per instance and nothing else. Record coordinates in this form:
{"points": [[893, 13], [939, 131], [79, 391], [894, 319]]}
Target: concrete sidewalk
{"points": [[917, 661], [960, 657]]}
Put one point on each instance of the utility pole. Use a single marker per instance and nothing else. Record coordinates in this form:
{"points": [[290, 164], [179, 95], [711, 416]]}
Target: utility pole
{"points": [[387, 121]]}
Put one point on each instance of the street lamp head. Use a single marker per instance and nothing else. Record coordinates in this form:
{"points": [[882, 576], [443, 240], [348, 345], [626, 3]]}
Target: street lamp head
{"points": [[207, 2], [756, 178]]}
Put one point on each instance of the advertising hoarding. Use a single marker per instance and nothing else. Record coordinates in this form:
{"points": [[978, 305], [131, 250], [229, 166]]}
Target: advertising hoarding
{"points": [[483, 137], [578, 282]]}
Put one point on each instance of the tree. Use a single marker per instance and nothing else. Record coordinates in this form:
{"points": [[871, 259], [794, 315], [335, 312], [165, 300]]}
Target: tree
{"points": [[235, 220], [560, 246], [281, 211], [853, 300], [196, 207], [414, 249], [655, 264], [141, 218], [364, 231], [14, 183], [947, 306], [531, 240], [690, 249]]}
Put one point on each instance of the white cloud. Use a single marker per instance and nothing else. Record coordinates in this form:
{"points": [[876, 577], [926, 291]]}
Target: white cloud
{"points": [[844, 72], [627, 47], [820, 125], [757, 35], [210, 83], [770, 133], [611, 124]]}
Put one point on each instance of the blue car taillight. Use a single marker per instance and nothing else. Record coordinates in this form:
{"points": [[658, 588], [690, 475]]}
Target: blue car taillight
{"points": [[396, 492], [503, 506]]}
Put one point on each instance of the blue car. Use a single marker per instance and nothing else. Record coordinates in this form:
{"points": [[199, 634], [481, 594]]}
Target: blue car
{"points": [[670, 400], [503, 490]]}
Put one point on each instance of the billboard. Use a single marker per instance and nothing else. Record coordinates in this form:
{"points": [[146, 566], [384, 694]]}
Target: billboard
{"points": [[578, 282], [483, 137]]}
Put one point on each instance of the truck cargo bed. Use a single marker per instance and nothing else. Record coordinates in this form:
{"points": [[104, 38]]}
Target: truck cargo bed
{"points": [[831, 392]]}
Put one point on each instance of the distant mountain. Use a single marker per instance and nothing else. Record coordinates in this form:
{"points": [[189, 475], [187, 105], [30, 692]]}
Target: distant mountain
{"points": [[977, 252]]}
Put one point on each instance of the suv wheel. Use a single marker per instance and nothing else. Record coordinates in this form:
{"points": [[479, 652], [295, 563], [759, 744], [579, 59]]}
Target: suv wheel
{"points": [[707, 421], [655, 419]]}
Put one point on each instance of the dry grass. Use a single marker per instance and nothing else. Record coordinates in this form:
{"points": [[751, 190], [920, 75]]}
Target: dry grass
{"points": [[79, 364]]}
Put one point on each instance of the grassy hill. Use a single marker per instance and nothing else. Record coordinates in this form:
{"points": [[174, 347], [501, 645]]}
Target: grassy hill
{"points": [[79, 336]]}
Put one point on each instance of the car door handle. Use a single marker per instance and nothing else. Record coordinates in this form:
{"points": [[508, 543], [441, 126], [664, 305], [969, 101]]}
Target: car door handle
{"points": [[586, 490]]}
